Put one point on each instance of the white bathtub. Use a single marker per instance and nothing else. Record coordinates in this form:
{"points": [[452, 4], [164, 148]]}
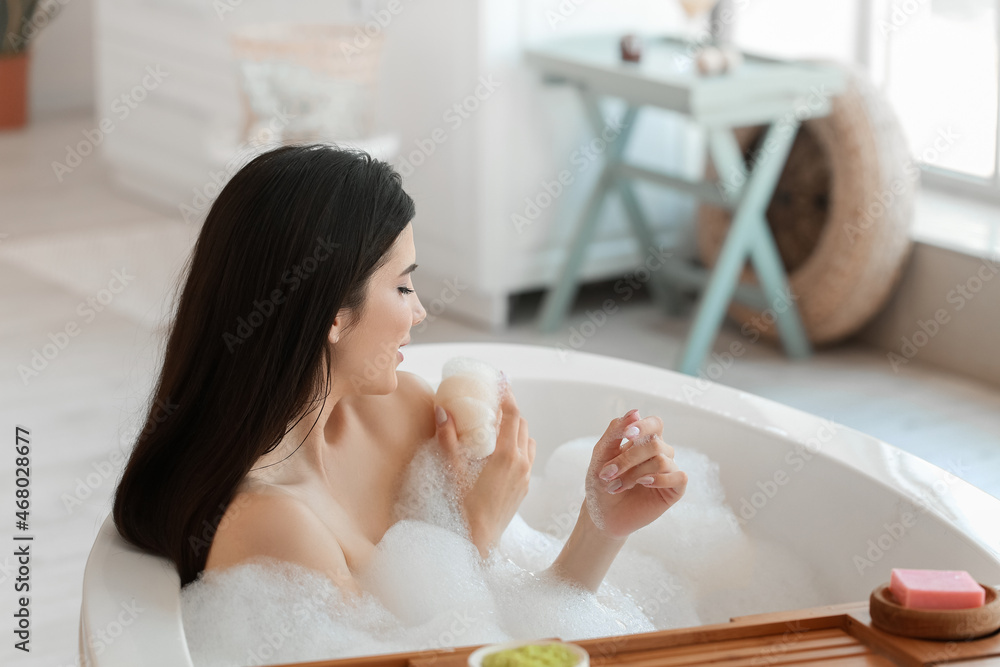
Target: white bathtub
{"points": [[850, 505], [830, 494]]}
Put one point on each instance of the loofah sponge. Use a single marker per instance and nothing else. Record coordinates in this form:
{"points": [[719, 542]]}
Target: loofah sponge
{"points": [[470, 391]]}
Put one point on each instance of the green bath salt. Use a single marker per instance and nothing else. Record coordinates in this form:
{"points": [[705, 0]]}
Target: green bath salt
{"points": [[533, 655]]}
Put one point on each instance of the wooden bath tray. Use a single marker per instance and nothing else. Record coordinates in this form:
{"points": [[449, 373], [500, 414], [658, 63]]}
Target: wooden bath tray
{"points": [[822, 636]]}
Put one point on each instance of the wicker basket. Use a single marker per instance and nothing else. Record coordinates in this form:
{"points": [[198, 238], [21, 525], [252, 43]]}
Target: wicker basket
{"points": [[840, 214], [306, 82]]}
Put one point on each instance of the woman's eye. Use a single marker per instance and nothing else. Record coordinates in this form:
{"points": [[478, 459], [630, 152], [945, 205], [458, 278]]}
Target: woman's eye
{"points": [[406, 290]]}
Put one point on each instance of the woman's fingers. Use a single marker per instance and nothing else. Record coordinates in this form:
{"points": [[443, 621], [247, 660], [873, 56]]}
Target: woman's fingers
{"points": [[508, 433], [447, 434], [649, 425], [641, 447], [640, 429], [512, 432], [659, 471], [609, 445], [525, 444], [529, 448], [507, 402], [677, 479]]}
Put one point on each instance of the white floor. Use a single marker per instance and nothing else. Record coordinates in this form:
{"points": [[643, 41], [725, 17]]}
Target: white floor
{"points": [[60, 244]]}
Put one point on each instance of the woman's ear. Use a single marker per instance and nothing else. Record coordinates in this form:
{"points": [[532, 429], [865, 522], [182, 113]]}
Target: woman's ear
{"points": [[339, 323]]}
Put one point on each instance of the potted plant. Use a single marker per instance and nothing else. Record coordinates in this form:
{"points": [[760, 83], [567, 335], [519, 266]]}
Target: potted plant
{"points": [[20, 21]]}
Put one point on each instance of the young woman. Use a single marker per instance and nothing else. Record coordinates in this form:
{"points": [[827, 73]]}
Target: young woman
{"points": [[292, 427]]}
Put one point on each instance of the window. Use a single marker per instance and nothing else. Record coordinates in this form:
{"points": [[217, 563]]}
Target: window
{"points": [[936, 60]]}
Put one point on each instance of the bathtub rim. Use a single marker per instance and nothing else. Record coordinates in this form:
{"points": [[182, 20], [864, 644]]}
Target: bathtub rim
{"points": [[967, 510]]}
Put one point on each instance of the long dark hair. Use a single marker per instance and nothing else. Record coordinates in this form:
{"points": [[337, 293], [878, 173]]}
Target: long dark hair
{"points": [[292, 239]]}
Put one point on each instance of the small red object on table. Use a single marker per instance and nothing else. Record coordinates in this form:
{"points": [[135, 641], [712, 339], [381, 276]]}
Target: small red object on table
{"points": [[631, 48]]}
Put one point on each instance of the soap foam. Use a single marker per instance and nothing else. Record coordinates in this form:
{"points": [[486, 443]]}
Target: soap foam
{"points": [[426, 586], [267, 611]]}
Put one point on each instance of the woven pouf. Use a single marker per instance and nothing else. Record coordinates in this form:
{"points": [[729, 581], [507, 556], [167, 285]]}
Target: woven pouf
{"points": [[840, 215]]}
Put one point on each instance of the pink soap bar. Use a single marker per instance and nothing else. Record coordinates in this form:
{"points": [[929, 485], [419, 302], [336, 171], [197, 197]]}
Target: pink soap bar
{"points": [[936, 589]]}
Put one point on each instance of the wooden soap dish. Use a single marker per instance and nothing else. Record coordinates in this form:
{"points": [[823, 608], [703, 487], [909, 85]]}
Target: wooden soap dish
{"points": [[888, 615]]}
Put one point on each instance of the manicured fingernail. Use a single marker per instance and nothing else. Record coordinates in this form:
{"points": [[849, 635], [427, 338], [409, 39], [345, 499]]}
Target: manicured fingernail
{"points": [[614, 486], [608, 471], [440, 415], [632, 431], [633, 411], [648, 479]]}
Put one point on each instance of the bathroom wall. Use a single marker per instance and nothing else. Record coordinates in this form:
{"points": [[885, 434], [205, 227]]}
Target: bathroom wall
{"points": [[944, 312], [62, 62]]}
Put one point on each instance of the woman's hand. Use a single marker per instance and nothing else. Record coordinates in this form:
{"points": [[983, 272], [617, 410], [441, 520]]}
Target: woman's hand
{"points": [[630, 486], [502, 484]]}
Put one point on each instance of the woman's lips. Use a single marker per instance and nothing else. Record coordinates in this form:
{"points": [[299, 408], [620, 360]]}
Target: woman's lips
{"points": [[399, 354]]}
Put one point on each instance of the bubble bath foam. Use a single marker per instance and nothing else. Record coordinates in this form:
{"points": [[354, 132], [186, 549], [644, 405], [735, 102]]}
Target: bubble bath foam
{"points": [[426, 586]]}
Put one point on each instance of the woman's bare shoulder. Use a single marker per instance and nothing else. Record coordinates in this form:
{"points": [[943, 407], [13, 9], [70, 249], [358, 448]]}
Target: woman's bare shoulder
{"points": [[261, 523], [415, 389]]}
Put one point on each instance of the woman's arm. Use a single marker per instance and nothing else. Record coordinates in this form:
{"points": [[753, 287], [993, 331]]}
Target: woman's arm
{"points": [[587, 554], [629, 484]]}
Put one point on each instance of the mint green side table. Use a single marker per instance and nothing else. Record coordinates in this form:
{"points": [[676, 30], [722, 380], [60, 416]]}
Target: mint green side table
{"points": [[762, 91]]}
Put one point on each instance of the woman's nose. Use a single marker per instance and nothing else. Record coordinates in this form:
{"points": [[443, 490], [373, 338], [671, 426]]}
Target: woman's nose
{"points": [[419, 314]]}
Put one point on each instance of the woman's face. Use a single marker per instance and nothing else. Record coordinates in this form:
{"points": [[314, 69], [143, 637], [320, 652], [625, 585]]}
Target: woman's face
{"points": [[367, 355]]}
